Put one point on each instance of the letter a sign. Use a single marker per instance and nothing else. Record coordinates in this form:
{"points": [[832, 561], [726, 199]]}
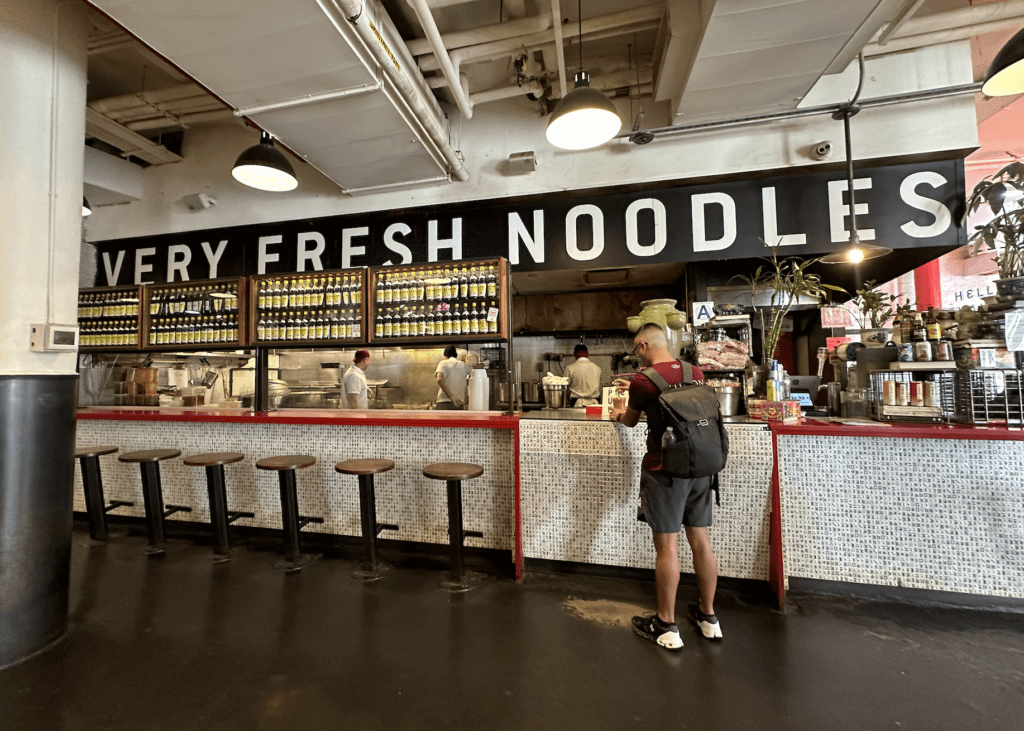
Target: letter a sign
{"points": [[702, 312]]}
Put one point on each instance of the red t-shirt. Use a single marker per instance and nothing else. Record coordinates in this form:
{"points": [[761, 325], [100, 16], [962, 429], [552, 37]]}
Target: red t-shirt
{"points": [[643, 396]]}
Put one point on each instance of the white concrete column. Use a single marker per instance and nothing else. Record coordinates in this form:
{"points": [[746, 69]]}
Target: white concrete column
{"points": [[42, 128]]}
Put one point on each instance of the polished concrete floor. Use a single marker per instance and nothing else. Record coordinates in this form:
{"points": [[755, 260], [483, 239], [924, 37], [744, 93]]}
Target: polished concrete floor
{"points": [[181, 643]]}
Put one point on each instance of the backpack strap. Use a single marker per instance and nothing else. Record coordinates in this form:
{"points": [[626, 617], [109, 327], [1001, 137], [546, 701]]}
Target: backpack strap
{"points": [[655, 378], [661, 383]]}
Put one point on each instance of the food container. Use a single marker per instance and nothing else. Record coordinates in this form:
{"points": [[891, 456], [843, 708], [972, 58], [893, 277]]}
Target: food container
{"points": [[729, 398], [971, 356], [942, 350], [902, 394], [531, 392], [905, 353], [889, 393], [554, 396], [778, 411], [916, 393], [922, 352]]}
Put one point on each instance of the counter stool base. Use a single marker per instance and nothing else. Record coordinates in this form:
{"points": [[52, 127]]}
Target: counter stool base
{"points": [[306, 559], [456, 585], [370, 573]]}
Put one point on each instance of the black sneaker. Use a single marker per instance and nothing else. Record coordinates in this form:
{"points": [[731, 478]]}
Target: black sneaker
{"points": [[706, 623], [651, 627]]}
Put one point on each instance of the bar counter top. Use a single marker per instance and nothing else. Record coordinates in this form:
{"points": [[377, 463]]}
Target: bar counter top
{"points": [[382, 417]]}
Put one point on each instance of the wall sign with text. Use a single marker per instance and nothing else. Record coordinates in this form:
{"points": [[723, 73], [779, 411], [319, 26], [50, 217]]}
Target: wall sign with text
{"points": [[902, 206]]}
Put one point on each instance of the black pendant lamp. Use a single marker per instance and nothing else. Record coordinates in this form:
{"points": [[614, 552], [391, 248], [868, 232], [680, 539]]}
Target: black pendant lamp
{"points": [[1006, 74], [86, 208], [855, 251], [264, 167], [585, 117]]}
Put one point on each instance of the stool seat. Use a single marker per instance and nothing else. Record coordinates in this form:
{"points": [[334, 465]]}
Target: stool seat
{"points": [[93, 451], [453, 471], [364, 466], [288, 462], [149, 455], [213, 459]]}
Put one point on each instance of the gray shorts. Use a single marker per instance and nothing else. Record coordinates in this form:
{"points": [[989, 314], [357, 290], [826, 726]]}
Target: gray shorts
{"points": [[668, 502]]}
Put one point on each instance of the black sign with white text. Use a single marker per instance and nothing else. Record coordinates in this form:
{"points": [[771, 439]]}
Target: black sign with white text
{"points": [[900, 206]]}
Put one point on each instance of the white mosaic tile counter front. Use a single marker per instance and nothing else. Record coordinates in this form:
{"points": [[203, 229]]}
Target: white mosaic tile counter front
{"points": [[404, 496], [940, 514], [580, 481]]}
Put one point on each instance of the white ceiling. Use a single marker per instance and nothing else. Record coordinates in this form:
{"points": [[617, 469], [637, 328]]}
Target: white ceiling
{"points": [[711, 59]]}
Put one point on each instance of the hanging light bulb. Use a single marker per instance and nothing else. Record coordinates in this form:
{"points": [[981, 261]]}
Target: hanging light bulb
{"points": [[86, 208], [585, 117], [265, 167], [1006, 74], [855, 251]]}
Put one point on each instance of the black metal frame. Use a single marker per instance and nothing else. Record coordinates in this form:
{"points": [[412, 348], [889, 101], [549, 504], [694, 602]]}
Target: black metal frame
{"points": [[95, 506]]}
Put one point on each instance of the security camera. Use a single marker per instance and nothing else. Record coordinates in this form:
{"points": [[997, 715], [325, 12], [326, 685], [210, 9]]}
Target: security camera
{"points": [[822, 150]]}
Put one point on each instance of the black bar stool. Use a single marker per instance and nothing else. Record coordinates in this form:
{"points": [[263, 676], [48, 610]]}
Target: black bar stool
{"points": [[220, 517], [152, 494], [454, 473], [291, 521], [95, 506], [366, 469]]}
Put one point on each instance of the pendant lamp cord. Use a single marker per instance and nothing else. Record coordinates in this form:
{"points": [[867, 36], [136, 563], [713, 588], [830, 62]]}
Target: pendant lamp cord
{"points": [[848, 111], [579, 38]]}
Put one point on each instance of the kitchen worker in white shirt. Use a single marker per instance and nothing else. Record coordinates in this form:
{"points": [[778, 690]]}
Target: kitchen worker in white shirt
{"points": [[452, 377], [355, 381], [584, 379]]}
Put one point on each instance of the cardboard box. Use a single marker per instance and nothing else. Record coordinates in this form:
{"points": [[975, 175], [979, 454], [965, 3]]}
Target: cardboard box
{"points": [[778, 411]]}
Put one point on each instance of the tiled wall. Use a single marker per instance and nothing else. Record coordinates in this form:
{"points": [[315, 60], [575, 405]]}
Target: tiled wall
{"points": [[580, 481], [404, 496], [922, 513]]}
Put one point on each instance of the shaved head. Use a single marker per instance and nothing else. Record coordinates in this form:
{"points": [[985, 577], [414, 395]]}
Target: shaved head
{"points": [[653, 335]]}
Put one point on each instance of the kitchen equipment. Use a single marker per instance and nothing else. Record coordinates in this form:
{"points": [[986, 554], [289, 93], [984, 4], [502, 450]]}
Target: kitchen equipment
{"points": [[388, 396], [729, 398], [532, 392], [479, 390], [303, 400], [555, 395], [835, 393]]}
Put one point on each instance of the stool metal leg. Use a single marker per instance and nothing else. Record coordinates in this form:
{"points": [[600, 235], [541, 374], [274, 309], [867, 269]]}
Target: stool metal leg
{"points": [[153, 499], [290, 516], [368, 515], [455, 529], [218, 509], [94, 503], [371, 569]]}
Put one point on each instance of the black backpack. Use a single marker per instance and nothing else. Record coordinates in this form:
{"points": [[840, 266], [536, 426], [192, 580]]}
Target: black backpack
{"points": [[692, 411]]}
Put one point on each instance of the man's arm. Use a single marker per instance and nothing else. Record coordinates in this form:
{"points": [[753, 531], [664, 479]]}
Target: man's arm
{"points": [[447, 391], [628, 415], [353, 400]]}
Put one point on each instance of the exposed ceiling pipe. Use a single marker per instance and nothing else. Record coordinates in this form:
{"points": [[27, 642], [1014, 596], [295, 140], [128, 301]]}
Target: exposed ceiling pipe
{"points": [[906, 13], [183, 120], [513, 8], [603, 26], [556, 16], [449, 69], [127, 101], [882, 101], [963, 33], [953, 25], [351, 13], [507, 92], [483, 34]]}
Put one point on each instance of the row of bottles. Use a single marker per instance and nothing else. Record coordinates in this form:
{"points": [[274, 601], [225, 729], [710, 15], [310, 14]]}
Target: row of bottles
{"points": [[432, 285], [306, 292], [108, 304], [206, 300], [459, 319], [191, 330], [311, 325], [109, 334]]}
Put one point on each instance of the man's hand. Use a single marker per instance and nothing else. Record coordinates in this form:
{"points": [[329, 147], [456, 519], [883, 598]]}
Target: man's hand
{"points": [[457, 402]]}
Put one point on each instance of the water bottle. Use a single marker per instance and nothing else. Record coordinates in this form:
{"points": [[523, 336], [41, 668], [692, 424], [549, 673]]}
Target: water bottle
{"points": [[668, 438]]}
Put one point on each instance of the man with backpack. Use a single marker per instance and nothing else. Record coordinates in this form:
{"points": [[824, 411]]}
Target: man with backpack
{"points": [[668, 501]]}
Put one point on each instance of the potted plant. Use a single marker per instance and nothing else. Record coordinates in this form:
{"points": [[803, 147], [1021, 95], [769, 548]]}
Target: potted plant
{"points": [[872, 309], [785, 282], [1004, 234]]}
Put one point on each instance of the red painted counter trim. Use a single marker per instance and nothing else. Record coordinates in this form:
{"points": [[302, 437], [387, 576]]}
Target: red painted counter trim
{"points": [[776, 569], [812, 427], [306, 416]]}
